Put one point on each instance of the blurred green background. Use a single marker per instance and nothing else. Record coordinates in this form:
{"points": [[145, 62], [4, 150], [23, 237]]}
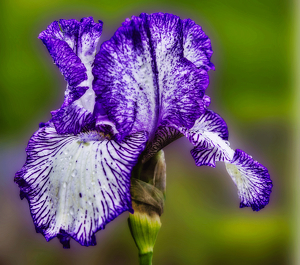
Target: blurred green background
{"points": [[202, 224]]}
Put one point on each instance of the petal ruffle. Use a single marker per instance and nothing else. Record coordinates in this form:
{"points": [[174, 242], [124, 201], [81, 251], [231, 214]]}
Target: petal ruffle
{"points": [[252, 180], [142, 78], [210, 135], [75, 185], [197, 46], [72, 45], [82, 37]]}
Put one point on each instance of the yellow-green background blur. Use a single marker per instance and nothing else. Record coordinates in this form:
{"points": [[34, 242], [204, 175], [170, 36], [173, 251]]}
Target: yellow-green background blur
{"points": [[202, 223]]}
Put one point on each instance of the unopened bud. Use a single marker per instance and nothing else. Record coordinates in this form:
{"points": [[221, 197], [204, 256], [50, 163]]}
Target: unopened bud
{"points": [[144, 225], [148, 194]]}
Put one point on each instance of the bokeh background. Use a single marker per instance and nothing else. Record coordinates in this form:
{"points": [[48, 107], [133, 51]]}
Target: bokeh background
{"points": [[251, 89]]}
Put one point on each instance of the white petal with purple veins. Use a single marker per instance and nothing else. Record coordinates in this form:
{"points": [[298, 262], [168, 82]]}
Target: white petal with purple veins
{"points": [[252, 180], [75, 185], [210, 135]]}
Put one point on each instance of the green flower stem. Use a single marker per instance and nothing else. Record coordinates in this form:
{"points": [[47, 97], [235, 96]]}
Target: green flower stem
{"points": [[146, 259]]}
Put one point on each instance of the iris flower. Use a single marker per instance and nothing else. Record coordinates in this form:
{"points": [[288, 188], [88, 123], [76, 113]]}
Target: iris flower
{"points": [[144, 89]]}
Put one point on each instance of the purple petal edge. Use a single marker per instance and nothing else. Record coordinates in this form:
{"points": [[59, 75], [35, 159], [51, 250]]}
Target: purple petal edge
{"points": [[261, 184]]}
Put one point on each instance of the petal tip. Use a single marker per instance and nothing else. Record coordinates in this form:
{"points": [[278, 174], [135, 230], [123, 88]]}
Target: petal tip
{"points": [[252, 180]]}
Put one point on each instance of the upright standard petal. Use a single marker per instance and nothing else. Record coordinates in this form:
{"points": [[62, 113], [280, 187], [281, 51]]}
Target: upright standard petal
{"points": [[143, 79], [72, 45], [75, 185], [210, 135]]}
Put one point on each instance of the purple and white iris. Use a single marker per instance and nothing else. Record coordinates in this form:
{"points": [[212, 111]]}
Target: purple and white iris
{"points": [[144, 89]]}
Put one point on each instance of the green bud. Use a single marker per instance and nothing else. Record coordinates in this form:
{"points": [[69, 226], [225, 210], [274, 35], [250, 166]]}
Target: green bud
{"points": [[144, 225], [148, 186]]}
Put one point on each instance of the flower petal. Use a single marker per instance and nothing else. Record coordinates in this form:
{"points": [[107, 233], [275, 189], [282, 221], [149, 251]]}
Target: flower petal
{"points": [[209, 135], [252, 180], [141, 73], [75, 185], [72, 45]]}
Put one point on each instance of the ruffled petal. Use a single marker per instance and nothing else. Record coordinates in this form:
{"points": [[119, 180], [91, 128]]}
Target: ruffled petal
{"points": [[197, 46], [252, 180], [72, 45], [75, 185], [88, 37], [144, 81], [63, 55], [209, 135]]}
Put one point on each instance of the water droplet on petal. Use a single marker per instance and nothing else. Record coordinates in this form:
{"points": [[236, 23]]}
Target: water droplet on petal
{"points": [[74, 173]]}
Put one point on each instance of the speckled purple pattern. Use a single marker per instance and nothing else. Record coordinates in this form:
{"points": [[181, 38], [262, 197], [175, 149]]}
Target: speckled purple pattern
{"points": [[72, 45], [143, 79], [144, 89], [256, 186], [75, 185]]}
